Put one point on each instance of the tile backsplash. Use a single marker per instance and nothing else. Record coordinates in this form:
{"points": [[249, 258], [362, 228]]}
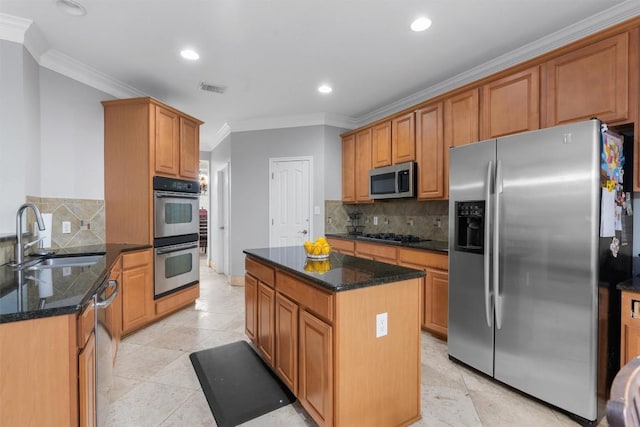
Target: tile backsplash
{"points": [[85, 216], [427, 219]]}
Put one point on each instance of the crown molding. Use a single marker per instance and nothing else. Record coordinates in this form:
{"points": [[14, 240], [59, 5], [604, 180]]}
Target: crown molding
{"points": [[600, 21], [222, 133], [67, 66], [13, 28]]}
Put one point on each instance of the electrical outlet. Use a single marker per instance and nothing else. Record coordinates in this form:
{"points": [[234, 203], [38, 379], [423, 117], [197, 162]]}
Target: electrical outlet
{"points": [[410, 222], [66, 227], [375, 220], [437, 223], [381, 325]]}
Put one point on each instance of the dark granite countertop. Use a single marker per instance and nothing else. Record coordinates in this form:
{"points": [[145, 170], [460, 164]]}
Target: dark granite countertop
{"points": [[428, 245], [60, 290], [338, 273]]}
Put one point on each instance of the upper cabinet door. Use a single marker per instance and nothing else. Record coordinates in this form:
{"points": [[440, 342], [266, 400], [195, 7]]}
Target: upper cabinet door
{"points": [[511, 104], [363, 165], [381, 145], [461, 113], [430, 152], [403, 139], [349, 169], [167, 149], [189, 149], [589, 82]]}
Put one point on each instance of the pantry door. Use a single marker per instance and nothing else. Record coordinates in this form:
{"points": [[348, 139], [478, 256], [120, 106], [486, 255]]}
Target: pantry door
{"points": [[290, 192]]}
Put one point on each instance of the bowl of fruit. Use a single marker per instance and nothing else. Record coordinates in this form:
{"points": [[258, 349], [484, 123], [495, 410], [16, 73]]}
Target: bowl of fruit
{"points": [[319, 249]]}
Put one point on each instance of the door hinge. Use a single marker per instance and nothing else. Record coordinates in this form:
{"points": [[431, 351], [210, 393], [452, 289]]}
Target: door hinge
{"points": [[271, 221], [272, 175]]}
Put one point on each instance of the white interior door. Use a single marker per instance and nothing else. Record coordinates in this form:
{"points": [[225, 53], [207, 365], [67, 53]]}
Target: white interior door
{"points": [[290, 201], [223, 221]]}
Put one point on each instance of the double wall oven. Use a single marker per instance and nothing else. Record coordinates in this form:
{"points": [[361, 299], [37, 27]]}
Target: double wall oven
{"points": [[175, 242]]}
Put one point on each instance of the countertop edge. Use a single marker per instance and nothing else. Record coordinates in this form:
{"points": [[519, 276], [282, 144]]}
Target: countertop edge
{"points": [[416, 246]]}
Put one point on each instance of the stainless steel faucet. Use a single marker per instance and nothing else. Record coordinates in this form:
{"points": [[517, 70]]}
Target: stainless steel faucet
{"points": [[19, 252]]}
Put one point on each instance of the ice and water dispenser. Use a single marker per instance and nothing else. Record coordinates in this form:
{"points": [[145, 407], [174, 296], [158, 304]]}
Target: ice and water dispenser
{"points": [[470, 226]]}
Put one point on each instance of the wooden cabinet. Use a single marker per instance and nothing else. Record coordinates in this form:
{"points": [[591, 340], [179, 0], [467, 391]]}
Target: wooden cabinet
{"points": [[434, 304], [266, 325], [382, 253], [381, 144], [461, 118], [189, 149], [349, 169], [363, 165], [511, 104], [137, 290], [588, 82], [177, 145], [286, 334], [316, 368], [630, 326], [251, 307], [47, 371], [142, 138], [430, 152], [342, 246], [436, 301], [403, 138], [87, 383]]}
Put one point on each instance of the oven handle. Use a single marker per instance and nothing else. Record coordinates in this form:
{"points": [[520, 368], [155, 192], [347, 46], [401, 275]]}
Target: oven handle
{"points": [[176, 248], [166, 194]]}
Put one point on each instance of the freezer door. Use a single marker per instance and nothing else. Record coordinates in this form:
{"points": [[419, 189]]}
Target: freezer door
{"points": [[470, 328], [546, 307]]}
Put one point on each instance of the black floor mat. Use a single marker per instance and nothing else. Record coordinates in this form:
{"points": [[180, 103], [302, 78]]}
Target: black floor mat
{"points": [[238, 384]]}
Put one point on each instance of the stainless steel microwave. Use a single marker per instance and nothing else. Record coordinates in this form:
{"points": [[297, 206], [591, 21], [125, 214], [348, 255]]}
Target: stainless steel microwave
{"points": [[393, 182]]}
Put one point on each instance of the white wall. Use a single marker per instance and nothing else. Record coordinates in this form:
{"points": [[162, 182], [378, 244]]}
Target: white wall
{"points": [[71, 138], [250, 154], [51, 135], [19, 131]]}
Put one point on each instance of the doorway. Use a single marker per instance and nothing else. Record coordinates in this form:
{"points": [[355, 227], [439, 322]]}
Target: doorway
{"points": [[205, 207], [222, 222], [290, 190]]}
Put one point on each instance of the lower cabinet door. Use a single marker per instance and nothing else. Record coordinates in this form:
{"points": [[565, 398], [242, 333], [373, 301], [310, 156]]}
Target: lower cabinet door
{"points": [[87, 383], [315, 385], [251, 306], [436, 301], [287, 341], [266, 324]]}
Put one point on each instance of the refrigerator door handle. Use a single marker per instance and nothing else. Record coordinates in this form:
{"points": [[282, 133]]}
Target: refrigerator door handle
{"points": [[496, 245], [488, 308]]}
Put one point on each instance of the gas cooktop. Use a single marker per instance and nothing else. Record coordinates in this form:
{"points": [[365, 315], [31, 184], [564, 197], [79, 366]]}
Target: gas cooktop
{"points": [[393, 238]]}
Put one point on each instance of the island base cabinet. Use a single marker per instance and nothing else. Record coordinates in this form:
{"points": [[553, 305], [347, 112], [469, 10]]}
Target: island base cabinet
{"points": [[286, 363], [251, 307], [266, 325], [378, 378], [316, 368]]}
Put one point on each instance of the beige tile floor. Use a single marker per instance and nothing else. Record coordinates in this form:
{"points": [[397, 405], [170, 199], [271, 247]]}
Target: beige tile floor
{"points": [[155, 385]]}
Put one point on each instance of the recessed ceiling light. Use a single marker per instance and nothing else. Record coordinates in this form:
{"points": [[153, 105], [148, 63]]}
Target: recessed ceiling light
{"points": [[325, 89], [421, 24], [71, 7], [190, 54]]}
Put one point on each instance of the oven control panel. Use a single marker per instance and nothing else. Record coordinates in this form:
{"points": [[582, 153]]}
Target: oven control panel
{"points": [[177, 185]]}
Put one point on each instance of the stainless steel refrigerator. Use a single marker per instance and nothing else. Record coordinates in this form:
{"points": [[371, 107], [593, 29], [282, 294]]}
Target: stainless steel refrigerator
{"points": [[525, 261]]}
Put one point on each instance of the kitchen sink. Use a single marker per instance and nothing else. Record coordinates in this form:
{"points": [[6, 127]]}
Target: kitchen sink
{"points": [[67, 261]]}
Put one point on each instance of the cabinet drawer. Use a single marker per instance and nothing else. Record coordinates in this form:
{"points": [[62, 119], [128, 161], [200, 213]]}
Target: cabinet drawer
{"points": [[177, 300], [423, 258], [134, 259], [340, 245], [315, 300], [86, 322], [377, 251], [260, 271]]}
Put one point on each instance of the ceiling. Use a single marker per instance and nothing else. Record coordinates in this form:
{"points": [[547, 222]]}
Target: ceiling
{"points": [[271, 55]]}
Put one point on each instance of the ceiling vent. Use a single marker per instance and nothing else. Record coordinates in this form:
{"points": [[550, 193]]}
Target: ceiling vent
{"points": [[212, 88]]}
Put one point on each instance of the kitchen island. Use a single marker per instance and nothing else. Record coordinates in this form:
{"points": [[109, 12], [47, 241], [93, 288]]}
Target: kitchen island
{"points": [[342, 333]]}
